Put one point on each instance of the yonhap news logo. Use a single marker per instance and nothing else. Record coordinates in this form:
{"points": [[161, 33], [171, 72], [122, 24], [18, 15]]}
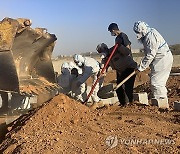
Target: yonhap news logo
{"points": [[112, 141]]}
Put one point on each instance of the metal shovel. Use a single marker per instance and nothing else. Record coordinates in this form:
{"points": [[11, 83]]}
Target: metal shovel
{"points": [[108, 91], [103, 70]]}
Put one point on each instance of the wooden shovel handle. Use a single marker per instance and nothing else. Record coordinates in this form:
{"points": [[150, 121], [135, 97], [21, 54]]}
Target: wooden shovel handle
{"points": [[122, 82]]}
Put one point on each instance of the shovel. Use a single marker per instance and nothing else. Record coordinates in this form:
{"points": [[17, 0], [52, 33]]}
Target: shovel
{"points": [[103, 70], [108, 91]]}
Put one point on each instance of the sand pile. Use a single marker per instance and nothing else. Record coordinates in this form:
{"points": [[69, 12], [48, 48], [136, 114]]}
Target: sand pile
{"points": [[52, 127], [66, 126]]}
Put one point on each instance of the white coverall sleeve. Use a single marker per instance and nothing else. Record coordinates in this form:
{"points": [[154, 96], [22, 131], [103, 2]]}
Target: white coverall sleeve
{"points": [[87, 72], [151, 48]]}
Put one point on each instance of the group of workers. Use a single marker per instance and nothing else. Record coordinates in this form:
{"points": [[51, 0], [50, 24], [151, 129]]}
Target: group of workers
{"points": [[157, 56], [75, 74]]}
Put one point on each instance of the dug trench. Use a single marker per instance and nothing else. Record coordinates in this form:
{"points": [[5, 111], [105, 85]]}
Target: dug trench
{"points": [[64, 125]]}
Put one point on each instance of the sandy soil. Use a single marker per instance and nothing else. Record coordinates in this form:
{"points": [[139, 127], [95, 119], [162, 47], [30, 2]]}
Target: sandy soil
{"points": [[64, 125], [36, 86]]}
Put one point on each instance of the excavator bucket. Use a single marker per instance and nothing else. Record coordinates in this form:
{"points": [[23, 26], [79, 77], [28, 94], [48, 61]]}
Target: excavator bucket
{"points": [[25, 58]]}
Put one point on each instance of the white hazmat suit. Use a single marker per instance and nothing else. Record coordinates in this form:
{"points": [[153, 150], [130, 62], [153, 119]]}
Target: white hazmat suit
{"points": [[90, 67], [157, 56], [67, 81], [64, 79], [79, 93], [73, 65]]}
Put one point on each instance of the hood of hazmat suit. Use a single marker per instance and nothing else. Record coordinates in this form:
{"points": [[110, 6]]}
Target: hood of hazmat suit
{"points": [[73, 65], [79, 60], [64, 78], [141, 29]]}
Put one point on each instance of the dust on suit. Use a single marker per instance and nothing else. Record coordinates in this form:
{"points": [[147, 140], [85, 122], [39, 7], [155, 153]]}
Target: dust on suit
{"points": [[90, 67], [157, 56]]}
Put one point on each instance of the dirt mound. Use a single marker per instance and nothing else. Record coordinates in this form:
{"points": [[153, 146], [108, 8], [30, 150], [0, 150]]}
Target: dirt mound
{"points": [[173, 86], [66, 126], [56, 121]]}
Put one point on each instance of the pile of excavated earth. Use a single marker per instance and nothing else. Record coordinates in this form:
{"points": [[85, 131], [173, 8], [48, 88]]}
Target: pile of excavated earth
{"points": [[64, 125]]}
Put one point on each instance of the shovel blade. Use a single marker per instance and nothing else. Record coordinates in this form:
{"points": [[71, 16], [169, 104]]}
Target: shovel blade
{"points": [[106, 91]]}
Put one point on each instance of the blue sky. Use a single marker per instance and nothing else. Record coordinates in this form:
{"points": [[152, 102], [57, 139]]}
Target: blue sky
{"points": [[82, 24]]}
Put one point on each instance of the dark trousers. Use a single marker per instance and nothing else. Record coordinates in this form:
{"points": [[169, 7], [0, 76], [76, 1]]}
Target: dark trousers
{"points": [[126, 90]]}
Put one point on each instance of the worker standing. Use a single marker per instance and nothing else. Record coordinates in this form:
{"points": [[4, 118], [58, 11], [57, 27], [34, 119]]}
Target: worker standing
{"points": [[123, 64], [157, 56]]}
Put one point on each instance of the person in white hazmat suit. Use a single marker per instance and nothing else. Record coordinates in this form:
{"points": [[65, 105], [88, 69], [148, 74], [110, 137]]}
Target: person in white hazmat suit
{"points": [[74, 74], [64, 79], [90, 67], [78, 92], [157, 56], [73, 65]]}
